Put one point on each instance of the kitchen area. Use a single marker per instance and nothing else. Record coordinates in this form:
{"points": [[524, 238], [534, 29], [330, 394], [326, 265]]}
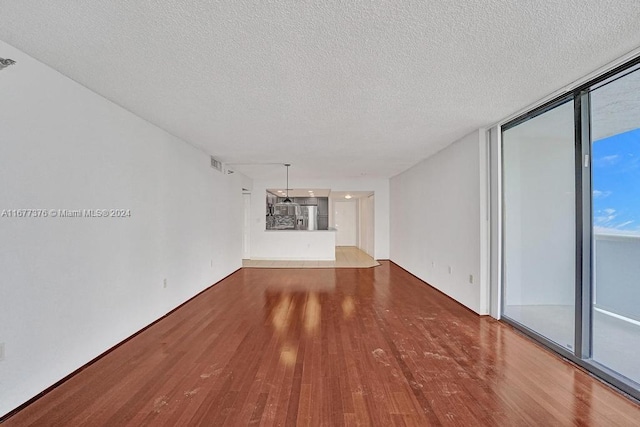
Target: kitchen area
{"points": [[294, 225], [302, 212], [307, 224]]}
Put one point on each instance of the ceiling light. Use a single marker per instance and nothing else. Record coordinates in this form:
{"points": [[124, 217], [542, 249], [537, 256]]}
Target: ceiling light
{"points": [[348, 196]]}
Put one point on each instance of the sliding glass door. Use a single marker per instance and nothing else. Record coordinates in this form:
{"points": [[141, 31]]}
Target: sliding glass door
{"points": [[615, 135], [539, 223], [571, 226]]}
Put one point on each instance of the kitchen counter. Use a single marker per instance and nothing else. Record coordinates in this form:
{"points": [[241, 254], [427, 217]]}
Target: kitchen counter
{"points": [[306, 245]]}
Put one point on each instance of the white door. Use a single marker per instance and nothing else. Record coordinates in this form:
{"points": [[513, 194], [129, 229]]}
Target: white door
{"points": [[246, 227], [367, 224], [346, 223]]}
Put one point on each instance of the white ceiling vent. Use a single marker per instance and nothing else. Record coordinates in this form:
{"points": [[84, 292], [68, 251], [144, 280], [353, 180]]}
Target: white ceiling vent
{"points": [[4, 63], [216, 164]]}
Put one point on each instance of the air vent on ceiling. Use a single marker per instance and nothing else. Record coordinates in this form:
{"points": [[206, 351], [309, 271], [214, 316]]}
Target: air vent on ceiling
{"points": [[216, 164], [4, 63]]}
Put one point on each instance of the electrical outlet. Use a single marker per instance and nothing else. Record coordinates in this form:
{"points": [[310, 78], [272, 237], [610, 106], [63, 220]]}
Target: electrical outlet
{"points": [[433, 263], [164, 283], [211, 263], [471, 278], [1, 351], [450, 270]]}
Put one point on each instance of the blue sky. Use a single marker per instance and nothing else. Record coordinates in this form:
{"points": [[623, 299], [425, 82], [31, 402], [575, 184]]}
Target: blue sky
{"points": [[616, 183]]}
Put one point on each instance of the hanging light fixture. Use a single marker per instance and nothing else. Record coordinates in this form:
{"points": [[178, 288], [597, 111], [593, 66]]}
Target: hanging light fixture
{"points": [[287, 201]]}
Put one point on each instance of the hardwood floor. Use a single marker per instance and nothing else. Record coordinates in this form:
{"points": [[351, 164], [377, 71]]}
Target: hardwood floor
{"points": [[329, 347]]}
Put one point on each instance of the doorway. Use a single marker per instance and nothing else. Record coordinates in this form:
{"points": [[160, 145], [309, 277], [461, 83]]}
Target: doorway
{"points": [[246, 226], [366, 224], [571, 225]]}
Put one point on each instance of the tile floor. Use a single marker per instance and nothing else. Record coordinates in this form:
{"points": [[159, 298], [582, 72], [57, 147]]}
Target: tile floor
{"points": [[346, 257]]}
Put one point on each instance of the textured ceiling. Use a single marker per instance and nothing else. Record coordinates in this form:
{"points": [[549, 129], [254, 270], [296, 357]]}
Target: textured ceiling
{"points": [[339, 89]]}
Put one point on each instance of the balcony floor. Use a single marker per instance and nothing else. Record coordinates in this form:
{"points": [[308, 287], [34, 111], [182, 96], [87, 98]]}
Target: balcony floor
{"points": [[616, 342]]}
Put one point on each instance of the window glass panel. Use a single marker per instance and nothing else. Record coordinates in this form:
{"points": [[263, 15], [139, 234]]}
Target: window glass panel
{"points": [[539, 224], [615, 169]]}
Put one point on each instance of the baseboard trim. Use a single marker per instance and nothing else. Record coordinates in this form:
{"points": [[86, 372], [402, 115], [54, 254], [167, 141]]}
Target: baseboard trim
{"points": [[11, 413], [438, 290]]}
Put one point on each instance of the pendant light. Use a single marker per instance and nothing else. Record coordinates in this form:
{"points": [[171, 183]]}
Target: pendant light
{"points": [[287, 201]]}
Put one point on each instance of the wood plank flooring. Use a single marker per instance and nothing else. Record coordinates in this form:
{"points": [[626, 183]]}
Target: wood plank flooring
{"points": [[329, 347]]}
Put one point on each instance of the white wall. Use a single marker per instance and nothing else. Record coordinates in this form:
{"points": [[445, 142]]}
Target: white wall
{"points": [[436, 216], [71, 288], [262, 244]]}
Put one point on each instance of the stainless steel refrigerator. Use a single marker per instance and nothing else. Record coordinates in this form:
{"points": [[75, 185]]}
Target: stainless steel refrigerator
{"points": [[308, 218]]}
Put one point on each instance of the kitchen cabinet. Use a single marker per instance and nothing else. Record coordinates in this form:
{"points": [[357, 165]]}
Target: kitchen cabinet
{"points": [[323, 206], [323, 222]]}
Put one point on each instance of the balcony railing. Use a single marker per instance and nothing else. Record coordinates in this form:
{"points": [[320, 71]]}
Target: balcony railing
{"points": [[617, 274]]}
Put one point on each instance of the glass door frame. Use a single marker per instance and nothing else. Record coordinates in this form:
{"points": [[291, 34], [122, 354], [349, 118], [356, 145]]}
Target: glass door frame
{"points": [[584, 262]]}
